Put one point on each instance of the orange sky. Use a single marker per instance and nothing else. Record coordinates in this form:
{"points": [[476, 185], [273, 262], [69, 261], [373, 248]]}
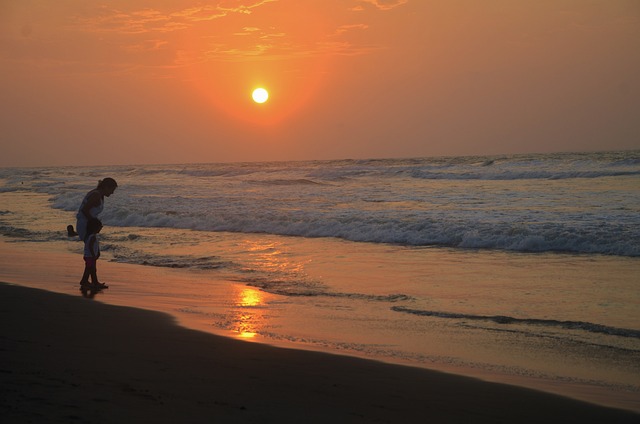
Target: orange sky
{"points": [[166, 81]]}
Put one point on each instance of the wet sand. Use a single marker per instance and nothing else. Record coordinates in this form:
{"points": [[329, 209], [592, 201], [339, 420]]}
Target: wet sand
{"points": [[70, 359]]}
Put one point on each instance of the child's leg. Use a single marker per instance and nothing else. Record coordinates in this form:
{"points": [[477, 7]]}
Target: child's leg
{"points": [[87, 272], [94, 275]]}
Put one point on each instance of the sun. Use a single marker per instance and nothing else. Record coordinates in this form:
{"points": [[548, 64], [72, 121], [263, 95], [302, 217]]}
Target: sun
{"points": [[260, 95]]}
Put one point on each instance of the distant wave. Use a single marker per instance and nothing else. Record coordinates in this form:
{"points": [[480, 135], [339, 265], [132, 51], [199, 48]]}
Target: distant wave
{"points": [[518, 175], [517, 167], [499, 319], [284, 182]]}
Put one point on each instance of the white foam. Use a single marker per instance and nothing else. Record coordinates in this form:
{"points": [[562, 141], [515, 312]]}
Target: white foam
{"points": [[534, 203]]}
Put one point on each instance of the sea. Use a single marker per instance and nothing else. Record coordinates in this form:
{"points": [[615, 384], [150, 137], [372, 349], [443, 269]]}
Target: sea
{"points": [[522, 269]]}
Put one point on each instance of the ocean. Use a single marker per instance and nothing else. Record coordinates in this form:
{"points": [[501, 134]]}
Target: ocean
{"points": [[521, 268]]}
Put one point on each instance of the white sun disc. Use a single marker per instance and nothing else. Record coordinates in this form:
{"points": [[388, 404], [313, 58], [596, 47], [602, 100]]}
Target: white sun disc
{"points": [[260, 95]]}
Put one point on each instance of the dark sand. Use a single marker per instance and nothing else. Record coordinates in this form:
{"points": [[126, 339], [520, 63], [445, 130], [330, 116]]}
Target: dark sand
{"points": [[70, 359]]}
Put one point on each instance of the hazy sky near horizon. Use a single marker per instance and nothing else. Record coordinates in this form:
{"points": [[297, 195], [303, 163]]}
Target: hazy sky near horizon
{"points": [[170, 81]]}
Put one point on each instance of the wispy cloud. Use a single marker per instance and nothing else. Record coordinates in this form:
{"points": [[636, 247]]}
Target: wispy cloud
{"points": [[383, 4], [238, 7], [146, 45], [346, 28], [128, 38], [199, 14], [124, 22], [152, 20]]}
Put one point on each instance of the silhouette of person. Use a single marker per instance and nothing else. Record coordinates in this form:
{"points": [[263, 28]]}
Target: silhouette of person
{"points": [[91, 206], [91, 255]]}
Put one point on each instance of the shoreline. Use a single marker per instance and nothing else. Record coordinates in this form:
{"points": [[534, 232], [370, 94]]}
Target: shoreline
{"points": [[94, 362], [179, 293]]}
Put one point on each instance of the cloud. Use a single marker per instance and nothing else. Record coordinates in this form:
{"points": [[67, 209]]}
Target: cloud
{"points": [[346, 28], [153, 20], [134, 22], [146, 45], [199, 14], [236, 6], [383, 4], [108, 38]]}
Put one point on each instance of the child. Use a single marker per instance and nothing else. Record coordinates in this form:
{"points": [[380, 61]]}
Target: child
{"points": [[91, 255], [70, 231]]}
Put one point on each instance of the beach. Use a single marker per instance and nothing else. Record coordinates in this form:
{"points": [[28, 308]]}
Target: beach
{"points": [[68, 359], [332, 211], [517, 270]]}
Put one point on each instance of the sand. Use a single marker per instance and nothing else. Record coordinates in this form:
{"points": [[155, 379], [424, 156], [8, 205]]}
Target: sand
{"points": [[69, 359]]}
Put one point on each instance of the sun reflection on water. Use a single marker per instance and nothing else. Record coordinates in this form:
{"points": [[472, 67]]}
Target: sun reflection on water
{"points": [[272, 257], [247, 319]]}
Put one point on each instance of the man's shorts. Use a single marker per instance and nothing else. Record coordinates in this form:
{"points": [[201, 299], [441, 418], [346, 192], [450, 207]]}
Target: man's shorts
{"points": [[90, 262]]}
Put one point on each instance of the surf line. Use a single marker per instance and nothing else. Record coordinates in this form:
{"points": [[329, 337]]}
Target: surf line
{"points": [[501, 319]]}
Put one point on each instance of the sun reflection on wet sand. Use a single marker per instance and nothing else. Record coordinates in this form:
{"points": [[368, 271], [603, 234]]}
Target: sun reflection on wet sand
{"points": [[250, 297], [247, 320]]}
